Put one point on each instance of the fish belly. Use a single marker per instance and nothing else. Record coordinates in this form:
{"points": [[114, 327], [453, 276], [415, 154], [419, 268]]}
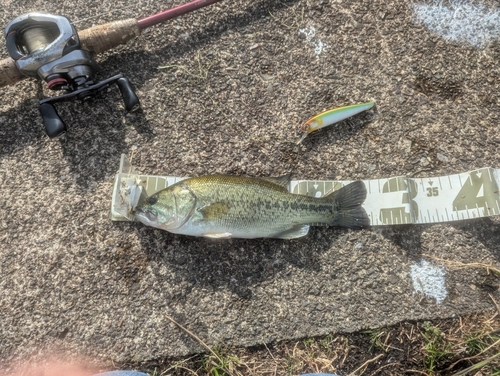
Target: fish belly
{"points": [[209, 230]]}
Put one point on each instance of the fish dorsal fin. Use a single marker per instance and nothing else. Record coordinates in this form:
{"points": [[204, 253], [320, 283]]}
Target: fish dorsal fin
{"points": [[214, 211], [295, 232], [281, 181]]}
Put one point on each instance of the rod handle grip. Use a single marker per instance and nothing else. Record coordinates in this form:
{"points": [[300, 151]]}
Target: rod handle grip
{"points": [[9, 73], [102, 38]]}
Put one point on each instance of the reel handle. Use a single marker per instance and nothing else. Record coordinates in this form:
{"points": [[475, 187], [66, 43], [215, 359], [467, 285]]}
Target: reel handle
{"points": [[54, 126], [53, 123]]}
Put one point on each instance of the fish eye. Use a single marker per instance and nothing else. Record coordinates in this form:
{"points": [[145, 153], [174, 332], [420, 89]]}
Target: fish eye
{"points": [[152, 200]]}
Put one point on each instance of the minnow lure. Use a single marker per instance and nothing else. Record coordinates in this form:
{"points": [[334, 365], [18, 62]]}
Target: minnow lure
{"points": [[331, 117]]}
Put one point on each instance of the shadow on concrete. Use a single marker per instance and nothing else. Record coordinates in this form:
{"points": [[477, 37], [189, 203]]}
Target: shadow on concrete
{"points": [[235, 265]]}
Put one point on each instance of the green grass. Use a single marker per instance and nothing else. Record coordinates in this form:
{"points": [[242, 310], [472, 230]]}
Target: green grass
{"points": [[437, 348], [224, 364], [326, 344], [377, 337]]}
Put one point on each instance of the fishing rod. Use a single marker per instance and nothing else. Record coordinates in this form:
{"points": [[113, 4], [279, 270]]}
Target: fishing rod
{"points": [[48, 47]]}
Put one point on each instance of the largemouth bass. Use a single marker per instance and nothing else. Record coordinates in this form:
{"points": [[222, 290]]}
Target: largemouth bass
{"points": [[222, 206]]}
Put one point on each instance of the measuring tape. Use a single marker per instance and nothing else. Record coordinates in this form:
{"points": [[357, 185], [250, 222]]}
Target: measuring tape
{"points": [[392, 201]]}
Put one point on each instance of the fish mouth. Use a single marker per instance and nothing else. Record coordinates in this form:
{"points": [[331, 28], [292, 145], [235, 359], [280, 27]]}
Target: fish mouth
{"points": [[147, 216]]}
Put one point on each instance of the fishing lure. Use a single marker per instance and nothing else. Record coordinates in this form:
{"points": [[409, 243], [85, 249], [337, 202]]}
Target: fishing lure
{"points": [[331, 117]]}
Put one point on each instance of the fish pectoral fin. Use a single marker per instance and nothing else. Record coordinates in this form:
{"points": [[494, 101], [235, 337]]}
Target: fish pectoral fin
{"points": [[295, 232], [214, 211], [217, 235]]}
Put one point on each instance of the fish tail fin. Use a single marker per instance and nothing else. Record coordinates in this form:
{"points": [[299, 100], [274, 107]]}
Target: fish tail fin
{"points": [[347, 210]]}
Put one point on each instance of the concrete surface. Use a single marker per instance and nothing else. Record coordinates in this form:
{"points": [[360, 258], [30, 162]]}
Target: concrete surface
{"points": [[242, 75]]}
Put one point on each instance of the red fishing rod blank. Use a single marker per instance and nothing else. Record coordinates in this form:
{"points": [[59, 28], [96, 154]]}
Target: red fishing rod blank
{"points": [[174, 12]]}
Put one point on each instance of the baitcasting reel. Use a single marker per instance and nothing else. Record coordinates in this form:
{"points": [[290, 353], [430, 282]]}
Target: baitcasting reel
{"points": [[47, 46]]}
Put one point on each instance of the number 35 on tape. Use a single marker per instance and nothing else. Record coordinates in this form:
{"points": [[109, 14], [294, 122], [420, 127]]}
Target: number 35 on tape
{"points": [[402, 200]]}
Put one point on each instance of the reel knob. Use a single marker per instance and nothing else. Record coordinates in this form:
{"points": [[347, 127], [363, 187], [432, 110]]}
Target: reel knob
{"points": [[54, 126], [130, 99]]}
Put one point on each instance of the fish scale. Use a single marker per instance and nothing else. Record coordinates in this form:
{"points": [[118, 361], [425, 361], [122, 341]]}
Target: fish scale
{"points": [[254, 202]]}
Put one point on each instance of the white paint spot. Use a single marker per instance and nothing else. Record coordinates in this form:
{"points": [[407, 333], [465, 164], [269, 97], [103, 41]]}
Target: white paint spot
{"points": [[429, 280], [460, 21], [310, 34], [317, 194]]}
